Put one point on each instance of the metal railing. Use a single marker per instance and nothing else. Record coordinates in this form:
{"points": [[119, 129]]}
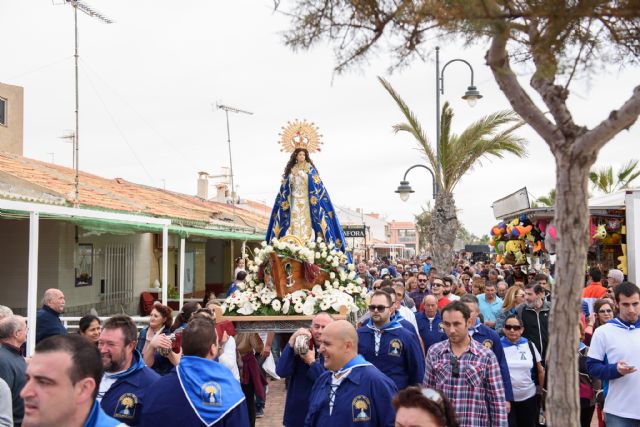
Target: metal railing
{"points": [[71, 323]]}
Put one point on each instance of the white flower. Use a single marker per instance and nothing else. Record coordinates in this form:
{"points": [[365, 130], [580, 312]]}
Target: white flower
{"points": [[311, 245], [308, 308], [329, 258], [359, 280], [275, 304], [325, 305], [324, 254], [241, 286], [327, 284], [343, 276], [336, 284], [298, 307], [255, 305], [352, 275], [317, 289], [285, 306], [332, 275], [318, 255], [246, 309], [351, 267], [335, 262], [263, 244]]}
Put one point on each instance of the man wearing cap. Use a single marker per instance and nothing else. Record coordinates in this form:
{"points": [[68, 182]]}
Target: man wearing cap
{"points": [[353, 392], [199, 391]]}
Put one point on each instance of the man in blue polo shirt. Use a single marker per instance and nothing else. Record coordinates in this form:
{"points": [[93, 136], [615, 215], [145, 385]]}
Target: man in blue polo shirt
{"points": [[353, 392], [389, 346], [126, 377], [199, 391], [302, 371], [490, 304]]}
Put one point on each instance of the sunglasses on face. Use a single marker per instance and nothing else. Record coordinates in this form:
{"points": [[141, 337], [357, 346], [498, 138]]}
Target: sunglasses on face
{"points": [[437, 285], [455, 367], [379, 308], [604, 311], [422, 280], [512, 327]]}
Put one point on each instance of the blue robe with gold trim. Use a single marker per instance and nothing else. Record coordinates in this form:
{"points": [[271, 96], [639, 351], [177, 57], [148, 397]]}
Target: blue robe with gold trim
{"points": [[324, 220]]}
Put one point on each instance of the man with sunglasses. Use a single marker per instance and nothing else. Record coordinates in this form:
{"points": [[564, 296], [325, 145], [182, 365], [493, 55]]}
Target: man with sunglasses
{"points": [[466, 372], [389, 346], [418, 295]]}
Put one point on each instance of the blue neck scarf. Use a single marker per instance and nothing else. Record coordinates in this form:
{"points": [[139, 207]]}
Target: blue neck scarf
{"points": [[137, 363], [355, 362], [624, 325], [506, 343], [394, 323], [98, 418], [209, 387]]}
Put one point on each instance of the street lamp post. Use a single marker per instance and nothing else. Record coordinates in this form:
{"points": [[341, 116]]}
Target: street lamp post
{"points": [[404, 189], [471, 95]]}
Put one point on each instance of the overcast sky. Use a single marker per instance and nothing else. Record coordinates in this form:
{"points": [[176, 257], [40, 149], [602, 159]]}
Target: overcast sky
{"points": [[148, 82]]}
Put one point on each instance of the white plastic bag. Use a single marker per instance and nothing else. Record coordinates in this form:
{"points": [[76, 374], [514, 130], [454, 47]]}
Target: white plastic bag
{"points": [[269, 366]]}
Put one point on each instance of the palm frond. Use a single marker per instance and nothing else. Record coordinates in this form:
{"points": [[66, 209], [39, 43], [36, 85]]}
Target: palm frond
{"points": [[628, 173], [413, 127]]}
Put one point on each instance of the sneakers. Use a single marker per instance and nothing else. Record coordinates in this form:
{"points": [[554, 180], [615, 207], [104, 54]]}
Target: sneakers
{"points": [[260, 413]]}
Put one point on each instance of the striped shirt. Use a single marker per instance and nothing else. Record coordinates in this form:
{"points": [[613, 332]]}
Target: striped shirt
{"points": [[477, 392]]}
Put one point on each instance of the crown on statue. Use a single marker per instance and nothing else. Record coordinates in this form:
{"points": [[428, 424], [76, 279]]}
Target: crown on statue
{"points": [[300, 134]]}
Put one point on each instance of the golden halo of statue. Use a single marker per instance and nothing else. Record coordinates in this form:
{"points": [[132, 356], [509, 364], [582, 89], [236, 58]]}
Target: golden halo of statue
{"points": [[300, 134]]}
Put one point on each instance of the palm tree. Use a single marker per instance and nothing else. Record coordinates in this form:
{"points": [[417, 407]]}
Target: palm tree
{"points": [[548, 200], [458, 155], [604, 180]]}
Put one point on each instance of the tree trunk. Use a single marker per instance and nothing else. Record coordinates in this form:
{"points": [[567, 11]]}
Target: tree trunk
{"points": [[444, 226], [572, 227]]}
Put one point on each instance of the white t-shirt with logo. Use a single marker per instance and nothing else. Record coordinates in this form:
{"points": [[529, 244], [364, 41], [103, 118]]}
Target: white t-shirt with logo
{"points": [[520, 362], [613, 344]]}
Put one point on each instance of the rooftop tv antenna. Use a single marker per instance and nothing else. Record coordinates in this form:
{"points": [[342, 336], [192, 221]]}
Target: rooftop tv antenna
{"points": [[227, 109], [90, 11]]}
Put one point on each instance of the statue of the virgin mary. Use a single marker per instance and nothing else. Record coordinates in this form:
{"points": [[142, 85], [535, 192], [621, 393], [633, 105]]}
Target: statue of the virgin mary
{"points": [[303, 208]]}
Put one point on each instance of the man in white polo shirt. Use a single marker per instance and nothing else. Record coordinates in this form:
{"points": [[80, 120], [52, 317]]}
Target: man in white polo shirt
{"points": [[614, 356]]}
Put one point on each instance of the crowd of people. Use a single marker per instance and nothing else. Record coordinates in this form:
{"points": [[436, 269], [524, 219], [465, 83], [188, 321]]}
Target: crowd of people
{"points": [[464, 347]]}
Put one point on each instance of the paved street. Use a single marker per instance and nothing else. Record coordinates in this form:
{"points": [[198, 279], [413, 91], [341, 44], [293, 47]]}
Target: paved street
{"points": [[275, 405]]}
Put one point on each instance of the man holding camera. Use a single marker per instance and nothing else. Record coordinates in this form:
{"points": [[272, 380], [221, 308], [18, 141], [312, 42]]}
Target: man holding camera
{"points": [[299, 364], [126, 377]]}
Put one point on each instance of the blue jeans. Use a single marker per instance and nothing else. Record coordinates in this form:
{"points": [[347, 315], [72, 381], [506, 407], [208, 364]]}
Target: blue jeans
{"points": [[616, 421]]}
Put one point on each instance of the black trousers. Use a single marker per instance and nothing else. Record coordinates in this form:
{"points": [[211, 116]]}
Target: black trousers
{"points": [[250, 396], [524, 413], [586, 412]]}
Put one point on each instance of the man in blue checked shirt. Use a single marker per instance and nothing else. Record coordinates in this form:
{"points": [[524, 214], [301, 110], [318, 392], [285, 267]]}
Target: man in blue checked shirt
{"points": [[353, 392], [466, 372]]}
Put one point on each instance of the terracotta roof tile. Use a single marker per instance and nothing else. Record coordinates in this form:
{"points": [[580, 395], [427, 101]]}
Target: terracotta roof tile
{"points": [[121, 195]]}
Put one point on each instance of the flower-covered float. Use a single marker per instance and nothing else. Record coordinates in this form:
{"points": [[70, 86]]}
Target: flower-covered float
{"points": [[303, 266], [297, 278]]}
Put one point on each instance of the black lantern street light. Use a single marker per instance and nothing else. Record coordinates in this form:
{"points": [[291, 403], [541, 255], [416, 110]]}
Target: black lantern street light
{"points": [[404, 189]]}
